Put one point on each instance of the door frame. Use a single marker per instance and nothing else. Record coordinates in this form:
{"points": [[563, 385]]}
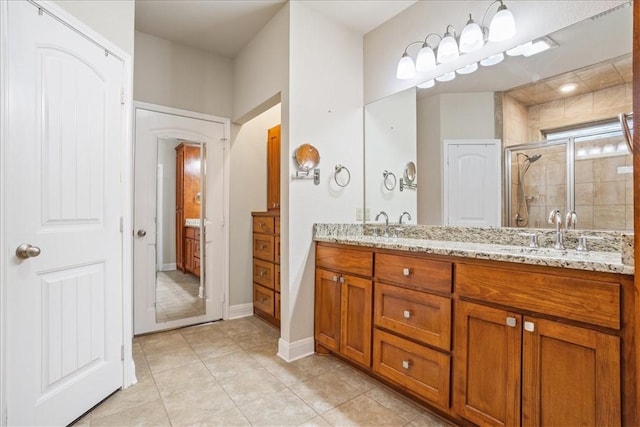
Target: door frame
{"points": [[80, 27], [226, 180]]}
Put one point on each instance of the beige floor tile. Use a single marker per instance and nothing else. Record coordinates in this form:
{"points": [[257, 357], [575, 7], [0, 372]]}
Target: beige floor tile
{"points": [[203, 333], [427, 419], [143, 392], [149, 414], [251, 385], [355, 378], [197, 404], [252, 340], [229, 418], [241, 326], [208, 350], [84, 421], [283, 408], [362, 411], [162, 342], [395, 402], [316, 422], [326, 391], [265, 354], [183, 378], [302, 369], [230, 365], [159, 362]]}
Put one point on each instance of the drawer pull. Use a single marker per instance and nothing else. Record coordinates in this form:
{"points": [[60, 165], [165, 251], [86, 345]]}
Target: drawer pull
{"points": [[529, 326], [406, 271], [341, 279], [335, 278], [263, 273], [406, 314], [263, 247], [511, 322], [406, 364]]}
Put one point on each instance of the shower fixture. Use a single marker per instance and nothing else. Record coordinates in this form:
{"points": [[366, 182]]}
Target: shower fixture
{"points": [[522, 212]]}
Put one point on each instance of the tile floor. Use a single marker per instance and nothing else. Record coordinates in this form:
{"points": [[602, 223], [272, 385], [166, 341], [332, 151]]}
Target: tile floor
{"points": [[227, 374], [177, 296]]}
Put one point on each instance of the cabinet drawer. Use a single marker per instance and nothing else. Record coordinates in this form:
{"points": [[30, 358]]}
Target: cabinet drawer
{"points": [[277, 249], [277, 305], [263, 247], [420, 369], [196, 249], [263, 299], [345, 260], [276, 284], [263, 224], [192, 233], [277, 225], [573, 298], [418, 315], [263, 273], [415, 272]]}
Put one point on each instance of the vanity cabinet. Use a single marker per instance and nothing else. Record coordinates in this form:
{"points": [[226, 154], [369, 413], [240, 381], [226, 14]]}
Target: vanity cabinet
{"points": [[517, 362], [344, 296], [187, 206], [191, 259], [266, 266]]}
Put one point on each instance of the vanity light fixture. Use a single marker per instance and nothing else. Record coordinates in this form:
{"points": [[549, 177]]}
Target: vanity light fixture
{"points": [[448, 47], [503, 24], [426, 59], [472, 37], [468, 69], [406, 68], [446, 77], [427, 84], [492, 60]]}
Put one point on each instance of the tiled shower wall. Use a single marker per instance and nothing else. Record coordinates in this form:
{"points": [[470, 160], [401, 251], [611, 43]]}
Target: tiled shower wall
{"points": [[603, 195]]}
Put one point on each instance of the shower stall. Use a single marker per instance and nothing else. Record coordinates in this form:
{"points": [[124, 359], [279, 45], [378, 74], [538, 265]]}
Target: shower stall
{"points": [[587, 170]]}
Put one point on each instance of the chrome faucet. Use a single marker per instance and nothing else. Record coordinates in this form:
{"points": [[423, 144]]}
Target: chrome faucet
{"points": [[386, 222], [407, 214], [556, 218], [571, 220]]}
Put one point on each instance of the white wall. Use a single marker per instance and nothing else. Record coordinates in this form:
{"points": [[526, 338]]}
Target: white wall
{"points": [[440, 117], [113, 19], [179, 76], [248, 193], [391, 134], [384, 45], [325, 109]]}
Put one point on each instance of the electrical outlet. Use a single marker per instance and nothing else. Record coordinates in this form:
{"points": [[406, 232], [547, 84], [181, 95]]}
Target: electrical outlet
{"points": [[359, 214], [367, 214]]}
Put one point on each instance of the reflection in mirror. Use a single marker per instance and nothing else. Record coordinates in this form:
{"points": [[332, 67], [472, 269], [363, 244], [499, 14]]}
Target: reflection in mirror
{"points": [[180, 205], [522, 101]]}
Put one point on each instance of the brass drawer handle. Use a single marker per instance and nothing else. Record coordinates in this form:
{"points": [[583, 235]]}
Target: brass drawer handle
{"points": [[263, 273], [406, 314], [406, 271], [263, 247], [511, 322], [406, 364], [335, 278]]}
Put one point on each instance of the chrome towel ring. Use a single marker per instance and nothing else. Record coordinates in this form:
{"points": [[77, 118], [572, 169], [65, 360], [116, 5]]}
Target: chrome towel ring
{"points": [[338, 169], [390, 180]]}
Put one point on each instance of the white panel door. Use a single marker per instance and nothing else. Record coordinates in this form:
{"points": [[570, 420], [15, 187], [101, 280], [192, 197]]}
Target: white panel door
{"points": [[150, 127], [472, 183], [64, 306]]}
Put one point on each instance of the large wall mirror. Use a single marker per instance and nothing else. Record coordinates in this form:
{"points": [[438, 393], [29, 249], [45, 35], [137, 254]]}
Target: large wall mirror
{"points": [[560, 145]]}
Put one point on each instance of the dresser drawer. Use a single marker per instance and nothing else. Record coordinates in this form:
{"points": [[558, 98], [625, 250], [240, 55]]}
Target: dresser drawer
{"points": [[420, 369], [277, 250], [277, 305], [418, 315], [192, 233], [579, 299], [349, 261], [276, 284], [263, 299], [263, 246], [263, 224], [277, 225], [418, 273], [263, 273]]}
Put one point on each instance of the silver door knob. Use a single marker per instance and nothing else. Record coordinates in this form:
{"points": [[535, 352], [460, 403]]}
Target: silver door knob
{"points": [[25, 251], [142, 233]]}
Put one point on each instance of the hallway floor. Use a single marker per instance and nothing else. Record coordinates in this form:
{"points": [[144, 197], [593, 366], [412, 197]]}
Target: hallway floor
{"points": [[227, 374], [177, 296]]}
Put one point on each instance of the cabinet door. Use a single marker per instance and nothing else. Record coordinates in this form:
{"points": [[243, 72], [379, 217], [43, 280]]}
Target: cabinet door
{"points": [[327, 309], [571, 375], [180, 240], [188, 255], [487, 364], [356, 319], [273, 168]]}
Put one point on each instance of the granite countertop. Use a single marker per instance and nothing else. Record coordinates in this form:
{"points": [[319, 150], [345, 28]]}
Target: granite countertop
{"points": [[192, 222], [607, 251]]}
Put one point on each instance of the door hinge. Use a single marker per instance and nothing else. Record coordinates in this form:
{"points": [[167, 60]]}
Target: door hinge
{"points": [[122, 352], [123, 97], [121, 224]]}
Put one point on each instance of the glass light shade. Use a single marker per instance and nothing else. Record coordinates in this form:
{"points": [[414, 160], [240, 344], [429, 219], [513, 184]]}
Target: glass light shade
{"points": [[406, 68], [471, 37], [492, 60], [448, 49], [427, 84], [468, 69], [503, 25], [447, 77], [426, 59]]}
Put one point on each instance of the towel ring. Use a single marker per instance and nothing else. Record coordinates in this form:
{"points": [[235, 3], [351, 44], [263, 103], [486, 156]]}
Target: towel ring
{"points": [[339, 168], [389, 184]]}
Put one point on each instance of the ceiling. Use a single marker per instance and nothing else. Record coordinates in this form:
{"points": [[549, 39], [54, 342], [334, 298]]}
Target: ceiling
{"points": [[224, 27]]}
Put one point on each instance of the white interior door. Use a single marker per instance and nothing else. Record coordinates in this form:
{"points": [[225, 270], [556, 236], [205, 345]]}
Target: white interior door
{"points": [[472, 183], [151, 126], [64, 305]]}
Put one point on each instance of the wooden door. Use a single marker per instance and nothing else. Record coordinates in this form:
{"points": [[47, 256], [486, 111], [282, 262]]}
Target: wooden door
{"points": [[327, 306], [180, 208], [571, 376], [63, 148], [356, 307], [487, 365], [273, 168]]}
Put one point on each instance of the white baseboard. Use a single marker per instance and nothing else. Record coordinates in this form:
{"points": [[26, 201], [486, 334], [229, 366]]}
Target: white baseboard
{"points": [[240, 310], [296, 350], [169, 266]]}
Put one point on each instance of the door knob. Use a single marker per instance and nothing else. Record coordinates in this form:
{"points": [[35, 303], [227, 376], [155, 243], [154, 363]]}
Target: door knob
{"points": [[142, 233], [25, 251]]}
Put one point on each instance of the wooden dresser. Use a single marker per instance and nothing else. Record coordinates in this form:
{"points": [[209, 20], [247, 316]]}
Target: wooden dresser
{"points": [[266, 266], [187, 206]]}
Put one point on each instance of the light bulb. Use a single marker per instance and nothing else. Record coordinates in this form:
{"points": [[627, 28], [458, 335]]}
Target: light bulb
{"points": [[426, 59], [406, 68], [447, 77], [492, 60], [471, 37], [468, 69], [503, 25], [448, 49], [427, 84]]}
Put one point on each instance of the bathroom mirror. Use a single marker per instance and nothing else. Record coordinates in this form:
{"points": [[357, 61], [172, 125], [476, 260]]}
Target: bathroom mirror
{"points": [[179, 212], [410, 172], [516, 102], [306, 157]]}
